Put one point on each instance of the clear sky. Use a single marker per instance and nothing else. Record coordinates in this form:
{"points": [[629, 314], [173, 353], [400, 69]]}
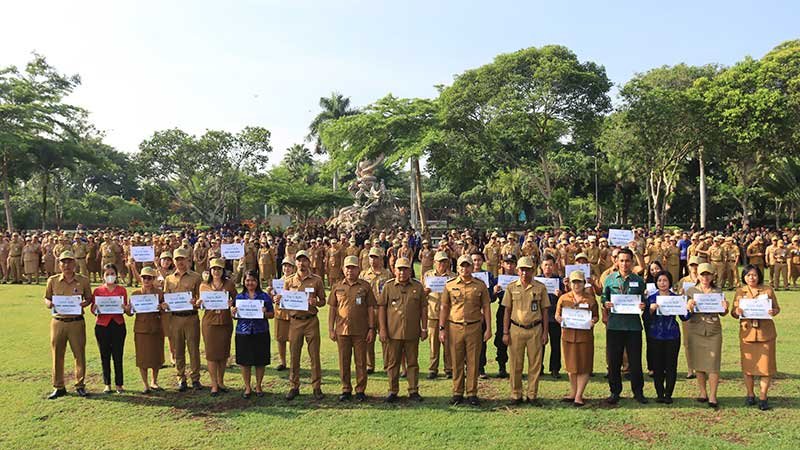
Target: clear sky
{"points": [[149, 65]]}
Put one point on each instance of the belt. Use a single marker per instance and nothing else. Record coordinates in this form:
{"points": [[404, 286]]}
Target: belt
{"points": [[528, 327], [464, 323], [184, 313], [14, 256], [68, 319], [303, 317], [716, 260]]}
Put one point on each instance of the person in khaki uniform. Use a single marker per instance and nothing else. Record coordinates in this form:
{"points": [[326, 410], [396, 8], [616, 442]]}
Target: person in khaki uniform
{"points": [[185, 325], [729, 278], [4, 250], [282, 319], [716, 256], [441, 269], [79, 249], [333, 263], [756, 338], [491, 251], [352, 249], [304, 325], [266, 263], [30, 261], [525, 329], [351, 324], [672, 256], [755, 253], [15, 258], [217, 325], [794, 260], [68, 329], [780, 258], [402, 316], [317, 253], [426, 257], [93, 258], [376, 275], [200, 255], [680, 288], [769, 259], [363, 255], [465, 303]]}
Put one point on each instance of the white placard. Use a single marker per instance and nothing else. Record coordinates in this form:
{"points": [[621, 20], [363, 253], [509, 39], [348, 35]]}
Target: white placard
{"points": [[179, 301], [575, 318], [651, 289], [504, 280], [619, 238], [483, 276], [109, 304], [708, 303], [278, 284], [144, 303], [550, 283], [67, 305], [671, 305], [249, 309], [687, 285], [626, 304], [585, 268], [295, 300], [756, 308], [143, 253], [435, 284], [233, 251], [214, 300]]}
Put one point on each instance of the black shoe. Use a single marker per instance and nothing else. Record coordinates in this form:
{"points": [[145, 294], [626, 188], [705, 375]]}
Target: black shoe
{"points": [[482, 375], [318, 395], [641, 399], [627, 376], [346, 396], [660, 399], [701, 399], [577, 404], [260, 394], [292, 394], [361, 397], [214, 393], [473, 401], [415, 397], [246, 395], [567, 399], [370, 371], [535, 402], [750, 401], [713, 405], [197, 386], [391, 398], [280, 368], [432, 375], [691, 376], [182, 386], [457, 400], [224, 390], [612, 399], [57, 393], [763, 405], [145, 391], [668, 400], [515, 402], [556, 375], [449, 375], [81, 392], [502, 374]]}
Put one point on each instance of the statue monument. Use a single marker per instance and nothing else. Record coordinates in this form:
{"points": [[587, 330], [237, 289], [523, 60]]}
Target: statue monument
{"points": [[373, 205]]}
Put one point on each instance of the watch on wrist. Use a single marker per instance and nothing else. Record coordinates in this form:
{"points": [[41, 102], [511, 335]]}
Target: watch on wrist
{"points": [[441, 328]]}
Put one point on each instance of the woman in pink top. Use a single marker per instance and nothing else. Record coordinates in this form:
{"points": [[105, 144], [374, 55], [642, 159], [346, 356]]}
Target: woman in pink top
{"points": [[110, 328]]}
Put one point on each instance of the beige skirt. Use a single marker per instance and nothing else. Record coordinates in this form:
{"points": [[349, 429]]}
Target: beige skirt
{"points": [[705, 352], [149, 350], [758, 358]]}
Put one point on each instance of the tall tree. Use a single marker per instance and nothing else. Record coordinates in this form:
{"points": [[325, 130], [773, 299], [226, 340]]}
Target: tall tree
{"points": [[333, 107], [297, 158]]}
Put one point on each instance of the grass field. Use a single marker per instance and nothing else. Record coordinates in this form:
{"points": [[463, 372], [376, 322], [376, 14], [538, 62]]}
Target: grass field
{"points": [[173, 420]]}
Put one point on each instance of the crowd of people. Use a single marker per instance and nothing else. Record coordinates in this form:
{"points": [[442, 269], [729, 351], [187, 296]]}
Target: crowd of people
{"points": [[373, 292]]}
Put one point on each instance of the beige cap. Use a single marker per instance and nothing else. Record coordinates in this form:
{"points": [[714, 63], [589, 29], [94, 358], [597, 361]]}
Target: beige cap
{"points": [[440, 256], [694, 260], [302, 253], [464, 259], [165, 255], [706, 268], [148, 272], [66, 255], [402, 262], [216, 262], [581, 255], [289, 261], [351, 261], [376, 252], [577, 275], [181, 253], [526, 262]]}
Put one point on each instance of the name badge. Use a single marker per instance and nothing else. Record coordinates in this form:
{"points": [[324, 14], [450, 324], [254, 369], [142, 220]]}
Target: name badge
{"points": [[309, 290], [633, 284], [584, 306], [358, 301], [534, 306]]}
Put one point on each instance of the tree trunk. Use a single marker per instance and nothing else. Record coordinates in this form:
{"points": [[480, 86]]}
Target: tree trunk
{"points": [[702, 188], [45, 182], [423, 223], [7, 196]]}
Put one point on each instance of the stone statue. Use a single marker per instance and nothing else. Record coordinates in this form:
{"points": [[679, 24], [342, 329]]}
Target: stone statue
{"points": [[371, 199]]}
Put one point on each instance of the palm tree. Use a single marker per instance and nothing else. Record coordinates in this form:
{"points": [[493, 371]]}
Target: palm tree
{"points": [[297, 158], [333, 107]]}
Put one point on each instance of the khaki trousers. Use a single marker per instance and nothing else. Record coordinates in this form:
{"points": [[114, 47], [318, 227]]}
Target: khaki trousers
{"points": [[15, 269], [525, 342], [73, 333], [437, 347], [352, 347], [465, 348], [396, 349], [83, 268], [307, 330], [781, 272], [185, 332]]}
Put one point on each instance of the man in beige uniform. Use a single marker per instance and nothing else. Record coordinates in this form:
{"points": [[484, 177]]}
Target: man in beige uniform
{"points": [[15, 258], [4, 250], [491, 251], [441, 269], [376, 275], [185, 325], [731, 264], [30, 260], [200, 255], [769, 259], [464, 304], [68, 329], [525, 329], [351, 325], [79, 249], [402, 314], [304, 325]]}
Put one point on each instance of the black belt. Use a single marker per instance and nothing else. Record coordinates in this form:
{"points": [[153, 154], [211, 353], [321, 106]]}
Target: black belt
{"points": [[184, 313], [303, 317], [68, 319], [464, 323], [527, 327]]}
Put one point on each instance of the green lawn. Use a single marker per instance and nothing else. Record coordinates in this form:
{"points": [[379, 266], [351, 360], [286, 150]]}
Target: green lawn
{"points": [[173, 420]]}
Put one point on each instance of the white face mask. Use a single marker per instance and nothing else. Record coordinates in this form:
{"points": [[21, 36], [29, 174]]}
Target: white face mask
{"points": [[110, 279]]}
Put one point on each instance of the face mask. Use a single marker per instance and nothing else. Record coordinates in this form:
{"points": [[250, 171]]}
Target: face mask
{"points": [[110, 279]]}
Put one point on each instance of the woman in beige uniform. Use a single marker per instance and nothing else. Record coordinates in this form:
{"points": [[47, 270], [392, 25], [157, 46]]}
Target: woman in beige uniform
{"points": [[704, 335], [756, 337], [217, 326], [578, 345], [281, 315], [148, 334]]}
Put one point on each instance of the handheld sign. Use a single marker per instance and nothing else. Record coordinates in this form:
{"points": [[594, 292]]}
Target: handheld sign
{"points": [[585, 268], [277, 285], [232, 251], [144, 303], [619, 238], [651, 289], [143, 253], [671, 305], [687, 285], [483, 276], [68, 305], [249, 309], [550, 283], [109, 304], [214, 300], [179, 301], [756, 308], [435, 284], [626, 304], [708, 303], [576, 319], [504, 280], [295, 300]]}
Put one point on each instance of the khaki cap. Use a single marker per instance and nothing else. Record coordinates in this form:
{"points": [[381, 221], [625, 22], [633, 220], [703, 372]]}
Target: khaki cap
{"points": [[66, 254], [579, 256], [181, 253], [402, 263], [289, 261], [301, 253], [216, 262], [148, 272], [440, 256], [464, 259], [165, 255], [526, 262], [351, 261], [376, 252], [577, 275], [694, 261], [706, 268]]}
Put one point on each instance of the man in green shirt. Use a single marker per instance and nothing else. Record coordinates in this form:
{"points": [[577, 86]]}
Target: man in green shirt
{"points": [[624, 331]]}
